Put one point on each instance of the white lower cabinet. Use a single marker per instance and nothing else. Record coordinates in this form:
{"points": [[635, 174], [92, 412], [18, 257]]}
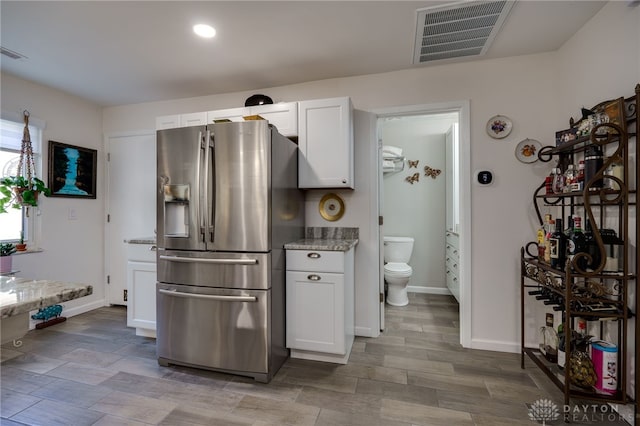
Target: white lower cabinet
{"points": [[320, 304], [141, 289]]}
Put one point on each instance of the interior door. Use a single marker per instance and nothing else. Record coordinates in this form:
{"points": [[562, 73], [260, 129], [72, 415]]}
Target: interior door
{"points": [[131, 211]]}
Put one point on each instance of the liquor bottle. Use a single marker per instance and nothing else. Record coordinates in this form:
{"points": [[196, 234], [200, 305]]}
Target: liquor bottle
{"points": [[591, 247], [570, 178], [549, 340], [547, 241], [577, 243], [558, 181], [558, 246], [580, 178]]}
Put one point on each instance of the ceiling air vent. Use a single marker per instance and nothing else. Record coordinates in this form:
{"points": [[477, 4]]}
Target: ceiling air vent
{"points": [[458, 29], [11, 54]]}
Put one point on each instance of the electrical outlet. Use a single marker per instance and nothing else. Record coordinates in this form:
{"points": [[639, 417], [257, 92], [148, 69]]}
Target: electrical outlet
{"points": [[73, 215]]}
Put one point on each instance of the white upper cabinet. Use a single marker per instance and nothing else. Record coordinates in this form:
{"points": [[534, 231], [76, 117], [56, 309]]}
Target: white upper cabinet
{"points": [[168, 122], [193, 119], [325, 140], [233, 114], [284, 116]]}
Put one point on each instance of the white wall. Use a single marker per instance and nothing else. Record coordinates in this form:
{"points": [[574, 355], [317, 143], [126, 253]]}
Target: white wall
{"points": [[418, 210], [72, 249]]}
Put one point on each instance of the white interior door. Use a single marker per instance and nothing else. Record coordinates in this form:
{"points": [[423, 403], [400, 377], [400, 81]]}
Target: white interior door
{"points": [[381, 235], [131, 203]]}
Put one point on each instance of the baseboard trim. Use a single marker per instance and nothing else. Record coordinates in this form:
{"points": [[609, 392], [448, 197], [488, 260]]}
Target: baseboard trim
{"points": [[428, 290], [365, 332], [77, 310], [495, 345]]}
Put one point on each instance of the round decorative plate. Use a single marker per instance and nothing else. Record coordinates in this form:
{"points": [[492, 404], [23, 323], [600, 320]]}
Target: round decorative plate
{"points": [[331, 207], [499, 126], [527, 150]]}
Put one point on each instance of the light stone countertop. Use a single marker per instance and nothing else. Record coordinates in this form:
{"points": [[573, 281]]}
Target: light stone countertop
{"points": [[141, 240], [321, 244], [20, 295]]}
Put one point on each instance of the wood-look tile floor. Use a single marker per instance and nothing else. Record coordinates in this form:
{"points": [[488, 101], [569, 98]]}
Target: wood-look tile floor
{"points": [[93, 370]]}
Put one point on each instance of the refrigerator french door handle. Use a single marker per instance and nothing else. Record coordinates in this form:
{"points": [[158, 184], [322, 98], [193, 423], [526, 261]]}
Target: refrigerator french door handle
{"points": [[201, 200], [210, 261], [208, 179], [209, 296]]}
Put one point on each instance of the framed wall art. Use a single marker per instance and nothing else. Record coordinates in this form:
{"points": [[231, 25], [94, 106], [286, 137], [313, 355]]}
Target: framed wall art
{"points": [[72, 170]]}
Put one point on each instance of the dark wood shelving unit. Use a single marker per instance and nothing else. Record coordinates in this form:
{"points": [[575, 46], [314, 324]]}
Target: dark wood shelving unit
{"points": [[575, 290]]}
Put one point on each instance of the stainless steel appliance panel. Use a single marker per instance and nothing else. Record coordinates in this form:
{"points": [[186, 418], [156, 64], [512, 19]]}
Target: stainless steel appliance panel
{"points": [[215, 269], [242, 182], [218, 329], [180, 198]]}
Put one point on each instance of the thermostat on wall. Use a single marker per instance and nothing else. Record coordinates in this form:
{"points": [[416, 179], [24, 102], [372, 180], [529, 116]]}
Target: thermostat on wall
{"points": [[485, 177]]}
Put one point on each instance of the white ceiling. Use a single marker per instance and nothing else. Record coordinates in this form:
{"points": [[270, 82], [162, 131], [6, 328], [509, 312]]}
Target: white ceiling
{"points": [[123, 52]]}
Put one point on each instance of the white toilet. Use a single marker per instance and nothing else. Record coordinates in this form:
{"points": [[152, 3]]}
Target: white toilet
{"points": [[397, 272]]}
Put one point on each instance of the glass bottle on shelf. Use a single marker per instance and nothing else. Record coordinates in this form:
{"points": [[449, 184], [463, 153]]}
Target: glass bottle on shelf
{"points": [[547, 241], [570, 179], [577, 243], [549, 340], [557, 185], [580, 177], [558, 246]]}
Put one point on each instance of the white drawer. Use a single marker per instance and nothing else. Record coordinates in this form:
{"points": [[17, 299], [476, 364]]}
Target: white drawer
{"points": [[141, 252], [315, 260]]}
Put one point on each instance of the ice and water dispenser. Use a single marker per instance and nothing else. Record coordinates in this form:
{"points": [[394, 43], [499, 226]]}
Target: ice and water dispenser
{"points": [[176, 210]]}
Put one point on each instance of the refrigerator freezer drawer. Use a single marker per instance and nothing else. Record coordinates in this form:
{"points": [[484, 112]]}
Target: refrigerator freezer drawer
{"points": [[212, 269], [219, 329]]}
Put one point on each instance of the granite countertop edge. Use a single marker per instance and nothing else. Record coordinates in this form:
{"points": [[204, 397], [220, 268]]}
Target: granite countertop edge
{"points": [[322, 244], [141, 240], [50, 292]]}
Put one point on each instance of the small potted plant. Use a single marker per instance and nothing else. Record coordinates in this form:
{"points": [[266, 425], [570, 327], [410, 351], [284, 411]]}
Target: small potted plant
{"points": [[21, 246], [18, 191], [6, 250]]}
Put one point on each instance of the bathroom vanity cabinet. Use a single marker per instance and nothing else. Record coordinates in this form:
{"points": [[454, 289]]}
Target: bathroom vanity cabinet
{"points": [[452, 262], [320, 304]]}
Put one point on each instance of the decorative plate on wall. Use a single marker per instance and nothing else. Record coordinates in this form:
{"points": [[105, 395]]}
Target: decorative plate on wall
{"points": [[331, 207], [527, 150], [499, 126]]}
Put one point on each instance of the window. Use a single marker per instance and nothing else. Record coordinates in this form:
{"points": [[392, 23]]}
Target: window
{"points": [[16, 221]]}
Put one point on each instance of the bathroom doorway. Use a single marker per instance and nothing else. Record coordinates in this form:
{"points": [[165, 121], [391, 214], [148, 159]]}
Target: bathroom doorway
{"points": [[424, 192]]}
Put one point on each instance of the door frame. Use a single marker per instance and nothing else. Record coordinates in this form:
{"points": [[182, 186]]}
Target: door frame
{"points": [[462, 107]]}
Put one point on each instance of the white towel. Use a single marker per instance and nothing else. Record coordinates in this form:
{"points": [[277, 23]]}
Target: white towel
{"points": [[392, 151], [388, 164]]}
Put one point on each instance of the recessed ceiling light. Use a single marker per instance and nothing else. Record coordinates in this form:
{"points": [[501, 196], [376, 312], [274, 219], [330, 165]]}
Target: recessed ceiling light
{"points": [[206, 31]]}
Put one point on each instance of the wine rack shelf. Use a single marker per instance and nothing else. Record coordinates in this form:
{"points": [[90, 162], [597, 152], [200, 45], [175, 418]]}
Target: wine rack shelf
{"points": [[588, 287]]}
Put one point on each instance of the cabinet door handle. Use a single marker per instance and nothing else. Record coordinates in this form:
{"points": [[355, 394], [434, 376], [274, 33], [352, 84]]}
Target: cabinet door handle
{"points": [[153, 248], [314, 255], [313, 277]]}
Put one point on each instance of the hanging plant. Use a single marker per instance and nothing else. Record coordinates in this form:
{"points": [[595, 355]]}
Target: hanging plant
{"points": [[22, 190]]}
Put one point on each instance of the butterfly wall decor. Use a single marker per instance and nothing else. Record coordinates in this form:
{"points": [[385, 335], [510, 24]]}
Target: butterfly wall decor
{"points": [[413, 178], [434, 173], [413, 163]]}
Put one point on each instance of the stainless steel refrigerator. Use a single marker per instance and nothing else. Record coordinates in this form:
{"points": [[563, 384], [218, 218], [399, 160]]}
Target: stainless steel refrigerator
{"points": [[227, 202]]}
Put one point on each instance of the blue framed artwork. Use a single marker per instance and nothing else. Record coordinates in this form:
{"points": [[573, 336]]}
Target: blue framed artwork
{"points": [[72, 170]]}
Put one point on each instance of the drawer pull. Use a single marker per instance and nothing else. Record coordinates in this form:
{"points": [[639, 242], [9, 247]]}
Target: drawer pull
{"points": [[314, 255], [313, 277]]}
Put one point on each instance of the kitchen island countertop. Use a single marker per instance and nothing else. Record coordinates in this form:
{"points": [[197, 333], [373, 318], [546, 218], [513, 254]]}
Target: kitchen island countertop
{"points": [[21, 295]]}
